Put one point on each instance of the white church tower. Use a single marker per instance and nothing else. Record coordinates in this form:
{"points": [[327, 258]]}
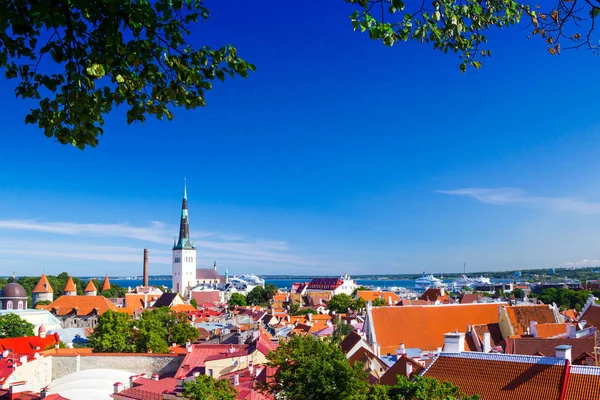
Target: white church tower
{"points": [[184, 254]]}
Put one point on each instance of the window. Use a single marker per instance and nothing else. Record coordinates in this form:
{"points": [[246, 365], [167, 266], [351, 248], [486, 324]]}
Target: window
{"points": [[210, 372], [9, 305], [20, 305]]}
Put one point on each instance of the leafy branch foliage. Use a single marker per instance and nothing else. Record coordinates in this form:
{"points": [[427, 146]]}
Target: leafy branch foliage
{"points": [[205, 387], [461, 26], [309, 368], [153, 332], [81, 58], [13, 326]]}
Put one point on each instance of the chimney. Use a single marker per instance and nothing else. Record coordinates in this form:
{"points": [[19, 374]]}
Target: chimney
{"points": [[154, 377], [146, 268], [563, 351], [5, 353], [118, 387], [402, 350], [236, 380], [442, 292], [309, 316], [250, 368], [454, 342], [572, 331], [409, 368], [487, 342], [533, 328], [43, 393], [132, 379]]}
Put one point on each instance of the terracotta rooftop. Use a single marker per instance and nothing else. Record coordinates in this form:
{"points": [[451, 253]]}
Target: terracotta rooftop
{"points": [[194, 361], [81, 305], [469, 298], [521, 316], [435, 294], [70, 286], [183, 308], [550, 330], [90, 287], [399, 368], [370, 295], [149, 389], [207, 274], [496, 338], [424, 326], [591, 316], [531, 345], [501, 377], [43, 286], [106, 283]]}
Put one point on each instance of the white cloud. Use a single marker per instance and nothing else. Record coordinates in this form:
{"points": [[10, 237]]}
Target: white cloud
{"points": [[515, 196], [230, 249]]}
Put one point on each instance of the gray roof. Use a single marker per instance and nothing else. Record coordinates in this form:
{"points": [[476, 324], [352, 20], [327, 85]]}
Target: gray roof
{"points": [[13, 291]]}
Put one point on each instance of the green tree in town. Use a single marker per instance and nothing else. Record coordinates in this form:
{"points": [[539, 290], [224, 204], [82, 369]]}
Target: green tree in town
{"points": [[237, 299], [309, 365], [462, 26], [261, 296], [354, 292], [519, 293], [194, 303], [340, 303], [114, 333], [423, 388], [205, 387], [157, 329], [359, 304], [13, 326], [378, 302], [80, 59]]}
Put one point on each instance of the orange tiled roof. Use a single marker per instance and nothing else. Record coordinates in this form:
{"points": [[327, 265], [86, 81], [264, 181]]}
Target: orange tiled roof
{"points": [[370, 295], [106, 283], [70, 286], [81, 305], [550, 330], [500, 377], [183, 308], [530, 345], [584, 383], [280, 297], [521, 316], [43, 286], [90, 287], [424, 326], [435, 294]]}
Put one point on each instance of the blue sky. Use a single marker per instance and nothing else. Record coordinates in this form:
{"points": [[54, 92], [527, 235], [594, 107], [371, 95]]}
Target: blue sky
{"points": [[338, 155]]}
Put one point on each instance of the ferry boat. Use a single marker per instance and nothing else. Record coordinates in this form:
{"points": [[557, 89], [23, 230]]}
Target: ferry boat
{"points": [[482, 280], [426, 281], [463, 282]]}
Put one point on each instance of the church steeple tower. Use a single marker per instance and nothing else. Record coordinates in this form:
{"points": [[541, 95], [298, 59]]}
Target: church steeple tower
{"points": [[184, 225], [184, 254]]}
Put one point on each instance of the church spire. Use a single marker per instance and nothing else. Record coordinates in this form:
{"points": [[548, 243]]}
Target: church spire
{"points": [[184, 226]]}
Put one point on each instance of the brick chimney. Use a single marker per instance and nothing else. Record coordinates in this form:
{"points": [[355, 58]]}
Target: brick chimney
{"points": [[146, 267], [154, 377]]}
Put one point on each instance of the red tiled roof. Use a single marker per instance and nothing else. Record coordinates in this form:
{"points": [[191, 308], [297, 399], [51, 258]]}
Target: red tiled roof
{"points": [[500, 377], [409, 302], [43, 286], [469, 298], [434, 294], [530, 345], [399, 368], [424, 326], [591, 316], [325, 283], [194, 361], [496, 338], [350, 341], [264, 344], [149, 389], [206, 296], [583, 383]]}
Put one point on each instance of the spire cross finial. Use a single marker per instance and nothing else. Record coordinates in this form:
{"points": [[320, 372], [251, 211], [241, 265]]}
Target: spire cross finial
{"points": [[184, 188]]}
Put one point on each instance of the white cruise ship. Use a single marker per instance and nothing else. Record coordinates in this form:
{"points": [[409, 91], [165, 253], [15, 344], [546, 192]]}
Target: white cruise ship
{"points": [[482, 280], [426, 281], [463, 282]]}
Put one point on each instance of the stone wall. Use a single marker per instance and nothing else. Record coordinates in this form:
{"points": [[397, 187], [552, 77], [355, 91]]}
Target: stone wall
{"points": [[164, 365]]}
